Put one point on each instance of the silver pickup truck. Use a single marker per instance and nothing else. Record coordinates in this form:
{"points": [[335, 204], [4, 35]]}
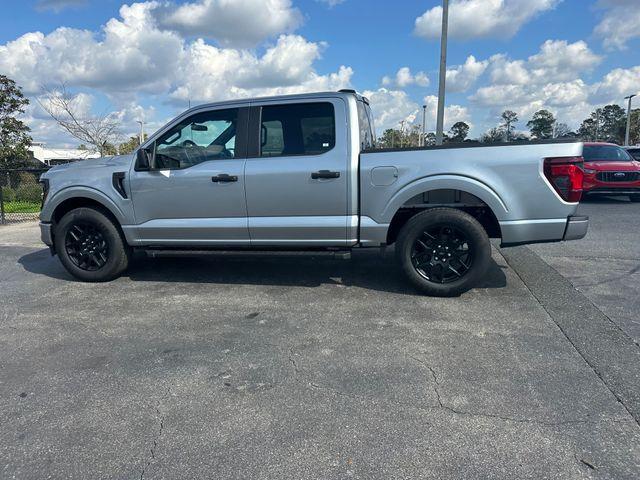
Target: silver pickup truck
{"points": [[302, 172]]}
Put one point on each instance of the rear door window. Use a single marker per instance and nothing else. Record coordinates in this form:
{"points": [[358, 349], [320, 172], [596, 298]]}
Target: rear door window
{"points": [[297, 129]]}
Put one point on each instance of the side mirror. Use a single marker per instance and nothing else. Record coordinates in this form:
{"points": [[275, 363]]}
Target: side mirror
{"points": [[143, 160]]}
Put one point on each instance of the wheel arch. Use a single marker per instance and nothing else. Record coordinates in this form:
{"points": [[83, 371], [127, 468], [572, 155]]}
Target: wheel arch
{"points": [[464, 194]]}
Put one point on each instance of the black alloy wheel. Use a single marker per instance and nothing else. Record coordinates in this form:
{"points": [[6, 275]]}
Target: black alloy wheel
{"points": [[443, 251], [442, 254], [90, 245], [86, 246]]}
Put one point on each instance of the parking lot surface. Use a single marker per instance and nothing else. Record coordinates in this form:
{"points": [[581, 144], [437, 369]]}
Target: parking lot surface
{"points": [[299, 367]]}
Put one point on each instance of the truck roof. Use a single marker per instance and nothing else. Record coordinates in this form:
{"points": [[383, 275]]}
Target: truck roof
{"points": [[297, 96]]}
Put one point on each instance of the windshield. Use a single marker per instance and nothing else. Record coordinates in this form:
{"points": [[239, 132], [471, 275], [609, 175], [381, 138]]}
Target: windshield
{"points": [[605, 153], [634, 152]]}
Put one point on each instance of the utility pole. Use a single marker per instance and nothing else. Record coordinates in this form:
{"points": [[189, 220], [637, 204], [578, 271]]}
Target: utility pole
{"points": [[443, 72], [141, 122], [626, 135], [424, 126]]}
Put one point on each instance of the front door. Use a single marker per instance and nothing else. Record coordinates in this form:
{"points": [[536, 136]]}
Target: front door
{"points": [[297, 181], [194, 194]]}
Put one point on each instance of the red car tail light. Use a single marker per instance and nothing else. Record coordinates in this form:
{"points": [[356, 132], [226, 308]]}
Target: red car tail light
{"points": [[566, 176]]}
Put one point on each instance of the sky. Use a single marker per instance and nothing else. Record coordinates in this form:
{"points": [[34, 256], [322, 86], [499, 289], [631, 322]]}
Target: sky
{"points": [[150, 60]]}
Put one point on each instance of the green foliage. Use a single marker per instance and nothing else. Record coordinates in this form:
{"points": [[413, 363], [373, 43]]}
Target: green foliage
{"points": [[495, 135], [541, 125], [14, 134], [509, 119], [130, 145], [606, 124], [21, 207], [459, 132]]}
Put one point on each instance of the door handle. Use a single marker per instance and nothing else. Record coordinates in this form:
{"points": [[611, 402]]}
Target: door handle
{"points": [[325, 174], [224, 178]]}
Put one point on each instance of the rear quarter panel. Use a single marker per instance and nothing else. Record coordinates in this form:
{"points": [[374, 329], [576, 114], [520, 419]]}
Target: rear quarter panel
{"points": [[509, 179]]}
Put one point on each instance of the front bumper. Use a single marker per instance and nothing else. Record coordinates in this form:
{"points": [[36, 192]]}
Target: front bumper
{"points": [[576, 228], [46, 233]]}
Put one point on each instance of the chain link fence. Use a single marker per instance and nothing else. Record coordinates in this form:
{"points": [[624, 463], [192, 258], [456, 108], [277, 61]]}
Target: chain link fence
{"points": [[20, 195]]}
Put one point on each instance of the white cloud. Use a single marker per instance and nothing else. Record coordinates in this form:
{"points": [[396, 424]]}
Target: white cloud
{"points": [[617, 84], [133, 55], [619, 24], [560, 60], [482, 18], [331, 3], [404, 78], [390, 107], [239, 23], [462, 77]]}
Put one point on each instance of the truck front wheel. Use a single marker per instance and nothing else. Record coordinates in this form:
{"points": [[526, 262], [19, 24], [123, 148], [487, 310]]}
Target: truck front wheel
{"points": [[443, 251], [90, 246]]}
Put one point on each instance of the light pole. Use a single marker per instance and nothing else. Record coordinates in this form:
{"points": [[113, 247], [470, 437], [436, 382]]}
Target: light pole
{"points": [[424, 125], [443, 72], [626, 136], [141, 122]]}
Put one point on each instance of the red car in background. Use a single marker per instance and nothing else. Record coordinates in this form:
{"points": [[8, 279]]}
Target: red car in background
{"points": [[610, 170]]}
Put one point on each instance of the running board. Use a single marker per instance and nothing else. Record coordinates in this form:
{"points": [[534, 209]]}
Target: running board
{"points": [[338, 254]]}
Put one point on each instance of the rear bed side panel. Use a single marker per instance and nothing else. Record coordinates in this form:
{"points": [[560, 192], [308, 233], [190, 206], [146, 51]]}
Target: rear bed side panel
{"points": [[509, 179]]}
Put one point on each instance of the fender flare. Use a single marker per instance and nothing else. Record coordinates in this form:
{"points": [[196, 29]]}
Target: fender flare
{"points": [[81, 192], [445, 182]]}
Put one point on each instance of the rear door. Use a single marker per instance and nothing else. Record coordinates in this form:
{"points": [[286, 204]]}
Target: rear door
{"points": [[296, 177]]}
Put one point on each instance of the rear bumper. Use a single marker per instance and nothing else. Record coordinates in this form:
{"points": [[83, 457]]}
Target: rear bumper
{"points": [[522, 232], [576, 228]]}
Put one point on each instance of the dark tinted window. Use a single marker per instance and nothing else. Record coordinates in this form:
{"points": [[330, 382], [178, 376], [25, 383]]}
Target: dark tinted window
{"points": [[366, 128], [605, 153], [297, 129], [634, 152], [202, 137]]}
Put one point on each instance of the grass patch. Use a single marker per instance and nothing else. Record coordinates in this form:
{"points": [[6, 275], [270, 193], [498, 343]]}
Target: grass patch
{"points": [[21, 207]]}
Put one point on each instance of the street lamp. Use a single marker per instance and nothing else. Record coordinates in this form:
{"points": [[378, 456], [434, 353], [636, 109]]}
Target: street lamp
{"points": [[626, 136], [141, 122], [424, 125], [443, 72]]}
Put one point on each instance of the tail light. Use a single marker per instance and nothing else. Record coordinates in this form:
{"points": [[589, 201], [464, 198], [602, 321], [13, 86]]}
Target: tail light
{"points": [[565, 175]]}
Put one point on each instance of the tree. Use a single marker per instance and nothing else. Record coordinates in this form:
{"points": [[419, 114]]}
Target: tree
{"points": [[562, 130], [541, 125], [130, 145], [459, 132], [100, 132], [606, 124], [14, 134], [634, 132], [509, 118], [496, 134]]}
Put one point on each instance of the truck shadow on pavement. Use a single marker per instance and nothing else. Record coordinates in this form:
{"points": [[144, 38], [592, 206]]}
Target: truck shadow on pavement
{"points": [[370, 270]]}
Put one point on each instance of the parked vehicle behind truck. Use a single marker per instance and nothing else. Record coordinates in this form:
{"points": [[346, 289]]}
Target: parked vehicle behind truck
{"points": [[301, 172], [610, 170]]}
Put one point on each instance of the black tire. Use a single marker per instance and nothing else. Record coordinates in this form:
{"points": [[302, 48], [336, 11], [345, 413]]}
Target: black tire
{"points": [[90, 246], [429, 260], [634, 198]]}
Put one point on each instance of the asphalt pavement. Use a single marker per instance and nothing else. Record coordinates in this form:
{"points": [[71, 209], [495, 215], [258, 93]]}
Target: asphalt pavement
{"points": [[299, 367]]}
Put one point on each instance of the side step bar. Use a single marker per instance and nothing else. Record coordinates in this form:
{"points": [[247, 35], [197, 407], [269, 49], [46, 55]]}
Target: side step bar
{"points": [[159, 253]]}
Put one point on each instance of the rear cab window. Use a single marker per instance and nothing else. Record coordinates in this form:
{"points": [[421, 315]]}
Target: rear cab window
{"points": [[297, 129], [367, 135]]}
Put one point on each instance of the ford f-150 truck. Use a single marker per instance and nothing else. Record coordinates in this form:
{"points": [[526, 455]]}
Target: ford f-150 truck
{"points": [[301, 172]]}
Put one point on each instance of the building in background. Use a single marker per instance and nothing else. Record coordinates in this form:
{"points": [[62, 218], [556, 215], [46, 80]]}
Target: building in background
{"points": [[56, 156]]}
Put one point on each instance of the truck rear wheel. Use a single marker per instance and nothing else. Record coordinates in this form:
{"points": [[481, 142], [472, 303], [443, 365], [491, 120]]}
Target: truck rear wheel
{"points": [[90, 246], [443, 251]]}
